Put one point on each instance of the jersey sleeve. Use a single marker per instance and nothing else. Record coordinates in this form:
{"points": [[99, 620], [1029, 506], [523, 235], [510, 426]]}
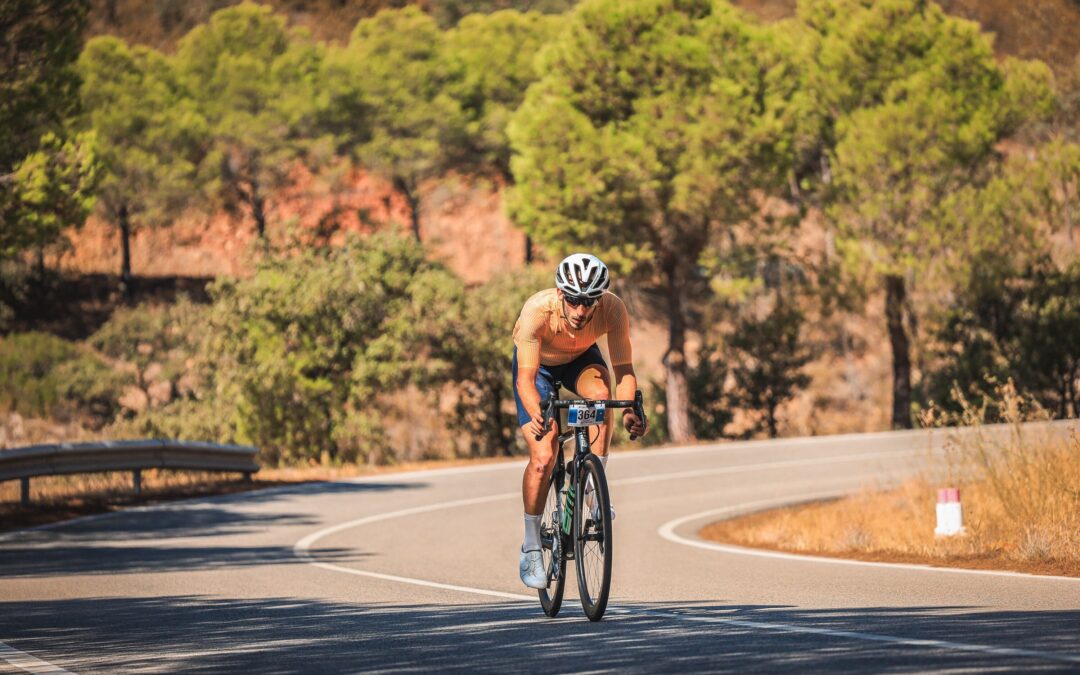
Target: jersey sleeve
{"points": [[619, 334], [527, 333]]}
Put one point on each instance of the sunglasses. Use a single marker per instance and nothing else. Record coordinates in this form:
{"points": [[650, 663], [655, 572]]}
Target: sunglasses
{"points": [[578, 302]]}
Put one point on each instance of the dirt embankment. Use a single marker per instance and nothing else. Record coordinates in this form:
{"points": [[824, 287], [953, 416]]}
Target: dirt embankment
{"points": [[462, 224]]}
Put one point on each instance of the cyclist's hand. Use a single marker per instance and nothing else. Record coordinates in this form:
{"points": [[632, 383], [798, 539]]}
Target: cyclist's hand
{"points": [[536, 426], [633, 424]]}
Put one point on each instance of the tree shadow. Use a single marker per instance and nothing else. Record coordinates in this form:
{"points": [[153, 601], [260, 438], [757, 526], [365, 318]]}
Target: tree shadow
{"points": [[62, 561], [211, 516], [285, 634]]}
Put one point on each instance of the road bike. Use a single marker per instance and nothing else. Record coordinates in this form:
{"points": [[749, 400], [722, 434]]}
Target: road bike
{"points": [[576, 521]]}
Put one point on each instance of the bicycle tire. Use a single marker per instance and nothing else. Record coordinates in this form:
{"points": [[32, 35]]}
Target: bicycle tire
{"points": [[550, 533], [592, 540]]}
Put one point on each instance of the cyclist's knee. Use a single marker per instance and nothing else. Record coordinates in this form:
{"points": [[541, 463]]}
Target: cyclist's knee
{"points": [[540, 462], [593, 384]]}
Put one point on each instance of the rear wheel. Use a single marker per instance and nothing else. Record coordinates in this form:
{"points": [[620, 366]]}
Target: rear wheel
{"points": [[592, 538], [551, 546]]}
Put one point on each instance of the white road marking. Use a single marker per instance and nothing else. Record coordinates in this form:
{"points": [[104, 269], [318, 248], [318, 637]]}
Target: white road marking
{"points": [[303, 550], [24, 661], [667, 531]]}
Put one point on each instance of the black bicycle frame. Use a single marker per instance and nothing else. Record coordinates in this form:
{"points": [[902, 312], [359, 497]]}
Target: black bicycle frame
{"points": [[581, 437]]}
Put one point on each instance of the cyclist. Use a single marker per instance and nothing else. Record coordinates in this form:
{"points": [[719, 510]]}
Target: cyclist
{"points": [[555, 340]]}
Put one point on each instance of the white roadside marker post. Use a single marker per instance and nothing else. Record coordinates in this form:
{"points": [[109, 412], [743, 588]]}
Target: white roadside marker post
{"points": [[950, 518]]}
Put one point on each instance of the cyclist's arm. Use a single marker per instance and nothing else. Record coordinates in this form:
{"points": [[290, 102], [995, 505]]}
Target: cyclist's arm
{"points": [[622, 357], [527, 339], [625, 382]]}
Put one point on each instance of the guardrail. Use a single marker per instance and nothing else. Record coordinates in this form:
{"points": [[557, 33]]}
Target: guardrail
{"points": [[68, 458]]}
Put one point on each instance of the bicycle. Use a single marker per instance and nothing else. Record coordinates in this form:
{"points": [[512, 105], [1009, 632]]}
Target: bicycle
{"points": [[571, 522]]}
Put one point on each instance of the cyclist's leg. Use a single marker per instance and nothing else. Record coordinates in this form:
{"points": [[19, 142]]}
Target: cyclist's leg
{"points": [[534, 481], [594, 383]]}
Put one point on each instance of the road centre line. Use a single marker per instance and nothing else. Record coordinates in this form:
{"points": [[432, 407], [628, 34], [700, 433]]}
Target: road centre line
{"points": [[667, 531], [303, 550], [30, 664]]}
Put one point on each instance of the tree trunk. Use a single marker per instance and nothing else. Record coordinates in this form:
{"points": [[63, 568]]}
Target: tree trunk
{"points": [[678, 387], [258, 210], [528, 249], [771, 418], [123, 219], [496, 420], [40, 263], [898, 339], [413, 200]]}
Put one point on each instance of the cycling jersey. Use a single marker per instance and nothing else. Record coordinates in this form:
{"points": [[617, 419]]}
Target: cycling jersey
{"points": [[542, 335]]}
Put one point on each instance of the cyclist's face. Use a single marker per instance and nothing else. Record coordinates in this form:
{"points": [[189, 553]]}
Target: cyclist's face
{"points": [[577, 316]]}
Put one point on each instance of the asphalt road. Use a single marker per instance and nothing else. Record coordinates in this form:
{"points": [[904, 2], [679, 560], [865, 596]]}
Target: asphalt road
{"points": [[418, 571]]}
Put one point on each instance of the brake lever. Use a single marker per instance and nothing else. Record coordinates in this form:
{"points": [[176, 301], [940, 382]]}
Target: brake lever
{"points": [[639, 410], [548, 409]]}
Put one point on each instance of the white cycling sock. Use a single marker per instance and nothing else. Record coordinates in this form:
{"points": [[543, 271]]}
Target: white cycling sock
{"points": [[603, 462], [532, 533]]}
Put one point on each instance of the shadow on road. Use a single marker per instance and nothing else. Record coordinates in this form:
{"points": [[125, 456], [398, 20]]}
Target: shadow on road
{"points": [[199, 517], [29, 563], [277, 635]]}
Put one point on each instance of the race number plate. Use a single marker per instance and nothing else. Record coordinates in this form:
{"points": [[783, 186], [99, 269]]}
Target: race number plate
{"points": [[585, 415]]}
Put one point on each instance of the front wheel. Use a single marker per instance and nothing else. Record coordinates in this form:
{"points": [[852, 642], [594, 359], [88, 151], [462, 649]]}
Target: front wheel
{"points": [[551, 545], [592, 538]]}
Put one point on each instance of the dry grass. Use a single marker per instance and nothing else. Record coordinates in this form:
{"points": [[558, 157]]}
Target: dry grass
{"points": [[1020, 493]]}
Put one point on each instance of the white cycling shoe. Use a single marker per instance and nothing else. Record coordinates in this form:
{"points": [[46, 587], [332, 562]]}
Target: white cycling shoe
{"points": [[596, 513], [532, 570], [595, 508]]}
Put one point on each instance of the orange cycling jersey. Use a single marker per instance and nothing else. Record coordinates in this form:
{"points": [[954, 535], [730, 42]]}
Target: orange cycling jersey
{"points": [[543, 336]]}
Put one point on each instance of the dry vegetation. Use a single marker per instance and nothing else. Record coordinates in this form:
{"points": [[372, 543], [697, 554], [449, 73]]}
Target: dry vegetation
{"points": [[1020, 493]]}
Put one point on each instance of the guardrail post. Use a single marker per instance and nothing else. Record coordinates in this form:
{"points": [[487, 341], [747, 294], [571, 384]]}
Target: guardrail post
{"points": [[247, 476], [136, 476], [24, 484]]}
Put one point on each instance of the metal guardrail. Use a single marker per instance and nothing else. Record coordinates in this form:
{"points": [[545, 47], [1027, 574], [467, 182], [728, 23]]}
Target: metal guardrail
{"points": [[68, 458]]}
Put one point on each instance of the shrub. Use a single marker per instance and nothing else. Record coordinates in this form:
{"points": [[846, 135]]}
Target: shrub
{"points": [[42, 375], [303, 353], [144, 334], [1021, 326]]}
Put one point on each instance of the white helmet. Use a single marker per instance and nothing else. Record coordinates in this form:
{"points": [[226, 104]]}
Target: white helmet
{"points": [[582, 275]]}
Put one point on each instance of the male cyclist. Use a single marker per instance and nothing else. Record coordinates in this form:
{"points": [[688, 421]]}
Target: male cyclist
{"points": [[555, 340]]}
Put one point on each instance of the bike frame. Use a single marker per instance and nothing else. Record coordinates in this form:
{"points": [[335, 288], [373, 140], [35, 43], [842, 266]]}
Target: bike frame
{"points": [[567, 501]]}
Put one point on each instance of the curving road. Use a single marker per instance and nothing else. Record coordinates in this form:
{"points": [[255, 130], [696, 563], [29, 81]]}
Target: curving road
{"points": [[419, 572]]}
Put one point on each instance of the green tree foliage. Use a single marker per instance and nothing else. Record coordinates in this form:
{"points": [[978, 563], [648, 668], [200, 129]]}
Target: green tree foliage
{"points": [[492, 61], [710, 406], [387, 103], [149, 136], [650, 127], [911, 102], [41, 39], [767, 358], [480, 349], [1024, 326], [255, 83], [305, 352], [51, 189], [170, 335], [45, 376]]}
